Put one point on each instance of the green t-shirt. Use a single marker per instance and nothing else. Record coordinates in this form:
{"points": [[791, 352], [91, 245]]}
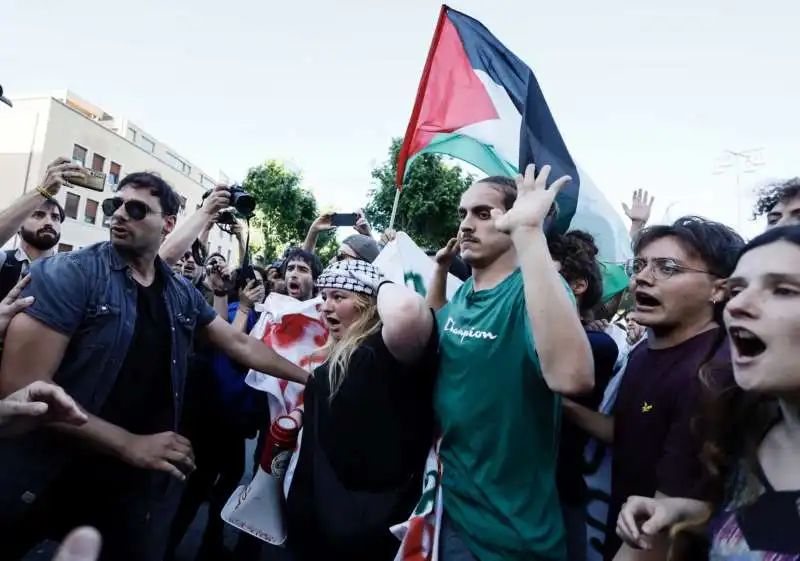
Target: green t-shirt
{"points": [[500, 427]]}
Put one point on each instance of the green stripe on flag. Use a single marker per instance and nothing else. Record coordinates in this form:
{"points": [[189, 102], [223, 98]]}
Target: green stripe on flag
{"points": [[480, 155]]}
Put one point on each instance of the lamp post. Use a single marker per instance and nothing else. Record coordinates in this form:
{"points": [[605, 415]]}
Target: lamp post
{"points": [[4, 99], [742, 161]]}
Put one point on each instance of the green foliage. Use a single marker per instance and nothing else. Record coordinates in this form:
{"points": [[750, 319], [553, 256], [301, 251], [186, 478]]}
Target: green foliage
{"points": [[285, 210], [428, 209]]}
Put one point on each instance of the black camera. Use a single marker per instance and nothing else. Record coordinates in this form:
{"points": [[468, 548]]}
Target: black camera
{"points": [[241, 201]]}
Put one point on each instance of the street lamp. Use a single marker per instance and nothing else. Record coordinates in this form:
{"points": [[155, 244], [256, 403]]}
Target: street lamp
{"points": [[5, 99], [743, 161]]}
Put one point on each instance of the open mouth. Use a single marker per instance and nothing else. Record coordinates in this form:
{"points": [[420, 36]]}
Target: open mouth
{"points": [[293, 287], [118, 231], [746, 343], [333, 323], [646, 301]]}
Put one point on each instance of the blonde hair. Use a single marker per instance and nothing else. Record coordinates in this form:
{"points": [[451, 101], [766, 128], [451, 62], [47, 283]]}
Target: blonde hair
{"points": [[341, 352]]}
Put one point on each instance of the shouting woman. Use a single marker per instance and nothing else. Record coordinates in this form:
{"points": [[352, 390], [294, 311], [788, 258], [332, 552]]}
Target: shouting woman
{"points": [[752, 430], [369, 419]]}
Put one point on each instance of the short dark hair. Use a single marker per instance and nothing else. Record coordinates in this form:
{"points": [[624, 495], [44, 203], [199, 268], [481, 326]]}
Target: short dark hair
{"points": [[167, 197], [716, 244], [774, 193], [299, 254], [506, 186], [52, 202], [577, 252]]}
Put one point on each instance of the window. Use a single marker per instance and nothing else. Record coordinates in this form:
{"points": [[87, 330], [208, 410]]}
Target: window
{"points": [[207, 182], [114, 171], [79, 154], [147, 144], [130, 134], [90, 215], [71, 205], [178, 163], [182, 209], [98, 162], [64, 247]]}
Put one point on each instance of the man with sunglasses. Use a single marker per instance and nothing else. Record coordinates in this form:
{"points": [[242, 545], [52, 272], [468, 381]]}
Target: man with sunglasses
{"points": [[113, 325], [677, 279]]}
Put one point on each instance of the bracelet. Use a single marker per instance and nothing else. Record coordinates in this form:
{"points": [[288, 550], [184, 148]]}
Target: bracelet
{"points": [[220, 293], [381, 284], [243, 309], [44, 192]]}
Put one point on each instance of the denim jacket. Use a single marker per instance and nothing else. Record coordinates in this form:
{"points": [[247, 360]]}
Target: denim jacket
{"points": [[90, 296]]}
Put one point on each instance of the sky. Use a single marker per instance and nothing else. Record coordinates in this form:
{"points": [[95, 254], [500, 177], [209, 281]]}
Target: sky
{"points": [[647, 95]]}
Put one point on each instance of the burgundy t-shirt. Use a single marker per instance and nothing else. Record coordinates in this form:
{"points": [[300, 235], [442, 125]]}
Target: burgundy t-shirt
{"points": [[655, 448]]}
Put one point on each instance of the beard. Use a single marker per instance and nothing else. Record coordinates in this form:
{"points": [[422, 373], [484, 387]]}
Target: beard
{"points": [[43, 240]]}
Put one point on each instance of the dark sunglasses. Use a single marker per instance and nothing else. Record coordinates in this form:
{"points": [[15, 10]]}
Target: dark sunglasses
{"points": [[136, 210]]}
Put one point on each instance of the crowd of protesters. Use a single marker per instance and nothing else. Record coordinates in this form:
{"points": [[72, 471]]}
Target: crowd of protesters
{"points": [[125, 407]]}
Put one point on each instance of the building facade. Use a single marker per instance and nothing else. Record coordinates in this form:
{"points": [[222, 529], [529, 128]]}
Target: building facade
{"points": [[39, 129]]}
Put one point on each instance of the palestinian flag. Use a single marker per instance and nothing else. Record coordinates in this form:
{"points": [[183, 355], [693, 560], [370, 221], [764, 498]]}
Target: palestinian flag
{"points": [[479, 103]]}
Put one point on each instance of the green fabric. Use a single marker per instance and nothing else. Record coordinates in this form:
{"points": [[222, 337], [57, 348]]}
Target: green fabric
{"points": [[482, 156], [500, 428], [615, 279]]}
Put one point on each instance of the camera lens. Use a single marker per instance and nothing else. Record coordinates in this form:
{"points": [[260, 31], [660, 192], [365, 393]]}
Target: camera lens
{"points": [[243, 203]]}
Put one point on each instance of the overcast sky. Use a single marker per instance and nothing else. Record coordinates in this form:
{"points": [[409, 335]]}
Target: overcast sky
{"points": [[646, 94]]}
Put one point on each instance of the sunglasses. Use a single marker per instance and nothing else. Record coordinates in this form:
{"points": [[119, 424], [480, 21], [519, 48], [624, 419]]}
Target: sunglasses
{"points": [[136, 210]]}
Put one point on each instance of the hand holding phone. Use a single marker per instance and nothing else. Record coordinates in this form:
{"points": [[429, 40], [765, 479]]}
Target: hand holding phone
{"points": [[344, 219]]}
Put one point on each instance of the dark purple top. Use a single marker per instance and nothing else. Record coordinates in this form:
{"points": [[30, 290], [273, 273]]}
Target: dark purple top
{"points": [[654, 446]]}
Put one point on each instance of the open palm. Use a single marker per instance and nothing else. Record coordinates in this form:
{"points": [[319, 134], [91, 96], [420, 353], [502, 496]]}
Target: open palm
{"points": [[533, 203]]}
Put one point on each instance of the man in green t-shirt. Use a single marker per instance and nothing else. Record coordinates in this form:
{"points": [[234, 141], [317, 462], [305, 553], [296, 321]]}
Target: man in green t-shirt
{"points": [[497, 395]]}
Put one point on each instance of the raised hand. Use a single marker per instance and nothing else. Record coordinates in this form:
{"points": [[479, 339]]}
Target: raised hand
{"points": [[58, 173], [362, 226], [323, 223], [444, 257], [533, 204], [641, 206]]}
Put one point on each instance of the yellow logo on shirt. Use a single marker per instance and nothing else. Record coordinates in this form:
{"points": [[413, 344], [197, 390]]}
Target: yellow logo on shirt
{"points": [[647, 407]]}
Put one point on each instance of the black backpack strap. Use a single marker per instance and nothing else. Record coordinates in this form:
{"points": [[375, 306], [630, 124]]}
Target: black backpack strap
{"points": [[10, 271]]}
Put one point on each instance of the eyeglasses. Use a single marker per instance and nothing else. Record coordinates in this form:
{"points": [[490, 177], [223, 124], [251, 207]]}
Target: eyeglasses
{"points": [[661, 267], [136, 210]]}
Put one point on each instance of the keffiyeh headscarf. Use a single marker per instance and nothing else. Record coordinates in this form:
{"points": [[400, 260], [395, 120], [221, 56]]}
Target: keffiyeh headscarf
{"points": [[353, 276]]}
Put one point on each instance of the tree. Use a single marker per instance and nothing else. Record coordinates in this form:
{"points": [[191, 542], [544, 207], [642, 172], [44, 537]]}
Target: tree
{"points": [[285, 210], [428, 208]]}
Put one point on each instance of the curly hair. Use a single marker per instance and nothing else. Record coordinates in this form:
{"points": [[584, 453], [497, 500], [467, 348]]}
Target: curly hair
{"points": [[774, 193], [577, 253]]}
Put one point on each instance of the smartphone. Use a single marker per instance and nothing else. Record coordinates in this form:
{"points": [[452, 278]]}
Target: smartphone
{"points": [[91, 179], [344, 219]]}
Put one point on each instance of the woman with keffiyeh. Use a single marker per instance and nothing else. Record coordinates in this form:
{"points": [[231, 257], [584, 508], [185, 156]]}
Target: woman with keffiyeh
{"points": [[368, 419]]}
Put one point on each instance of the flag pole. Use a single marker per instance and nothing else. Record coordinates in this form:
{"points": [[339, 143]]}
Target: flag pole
{"points": [[394, 208]]}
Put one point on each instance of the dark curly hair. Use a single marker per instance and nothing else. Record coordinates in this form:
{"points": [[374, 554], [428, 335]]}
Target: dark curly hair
{"points": [[577, 252], [774, 193]]}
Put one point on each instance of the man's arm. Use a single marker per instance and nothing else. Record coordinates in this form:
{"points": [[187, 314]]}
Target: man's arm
{"points": [[252, 353], [598, 425], [561, 343], [181, 240], [33, 351], [57, 174]]}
